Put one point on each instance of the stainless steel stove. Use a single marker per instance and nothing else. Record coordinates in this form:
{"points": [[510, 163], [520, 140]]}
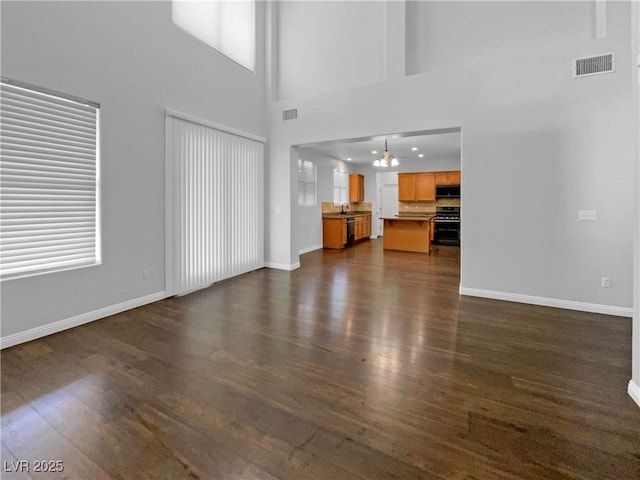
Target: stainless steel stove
{"points": [[447, 226]]}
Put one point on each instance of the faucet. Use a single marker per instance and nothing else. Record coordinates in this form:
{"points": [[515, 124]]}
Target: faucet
{"points": [[343, 208]]}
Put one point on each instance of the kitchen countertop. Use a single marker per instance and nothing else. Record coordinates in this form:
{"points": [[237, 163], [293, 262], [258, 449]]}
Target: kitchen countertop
{"points": [[347, 215], [416, 218]]}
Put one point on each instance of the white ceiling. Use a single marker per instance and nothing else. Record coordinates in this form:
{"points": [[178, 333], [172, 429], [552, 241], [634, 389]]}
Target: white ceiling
{"points": [[440, 145]]}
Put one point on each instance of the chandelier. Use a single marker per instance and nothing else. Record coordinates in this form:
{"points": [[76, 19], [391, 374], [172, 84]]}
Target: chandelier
{"points": [[386, 159]]}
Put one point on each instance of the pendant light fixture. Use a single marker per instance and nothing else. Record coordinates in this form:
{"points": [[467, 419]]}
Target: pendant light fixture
{"points": [[386, 159]]}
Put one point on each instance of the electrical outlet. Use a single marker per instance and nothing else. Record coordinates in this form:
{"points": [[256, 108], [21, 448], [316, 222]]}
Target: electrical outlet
{"points": [[145, 274], [587, 215], [605, 282]]}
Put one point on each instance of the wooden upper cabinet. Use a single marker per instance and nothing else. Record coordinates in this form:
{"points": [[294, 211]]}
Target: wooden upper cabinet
{"points": [[454, 178], [356, 187], [406, 187], [425, 187], [416, 187], [442, 178], [448, 178]]}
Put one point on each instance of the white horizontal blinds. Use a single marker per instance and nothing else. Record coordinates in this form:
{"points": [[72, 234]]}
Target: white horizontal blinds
{"points": [[218, 207], [48, 182], [340, 187], [228, 26], [306, 183]]}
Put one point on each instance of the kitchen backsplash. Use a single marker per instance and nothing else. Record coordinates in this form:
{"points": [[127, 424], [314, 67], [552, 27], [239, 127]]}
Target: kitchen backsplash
{"points": [[448, 202], [416, 207], [426, 207], [403, 207], [329, 207]]}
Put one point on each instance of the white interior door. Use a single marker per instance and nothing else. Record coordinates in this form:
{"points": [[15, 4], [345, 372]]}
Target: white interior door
{"points": [[387, 197]]}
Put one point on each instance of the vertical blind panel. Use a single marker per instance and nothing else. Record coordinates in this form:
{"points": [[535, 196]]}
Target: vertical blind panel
{"points": [[218, 205], [306, 183], [48, 182]]}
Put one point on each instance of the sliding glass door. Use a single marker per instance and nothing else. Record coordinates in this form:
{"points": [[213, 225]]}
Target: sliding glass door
{"points": [[215, 197]]}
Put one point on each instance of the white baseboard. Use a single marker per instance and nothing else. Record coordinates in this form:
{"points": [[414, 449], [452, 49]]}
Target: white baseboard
{"points": [[55, 327], [309, 249], [282, 266], [548, 302], [634, 391]]}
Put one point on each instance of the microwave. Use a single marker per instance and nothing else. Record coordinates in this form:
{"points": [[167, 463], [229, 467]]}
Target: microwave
{"points": [[447, 191]]}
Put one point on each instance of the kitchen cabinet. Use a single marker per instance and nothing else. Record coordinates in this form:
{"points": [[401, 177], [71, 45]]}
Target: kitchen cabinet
{"points": [[442, 178], [356, 187], [334, 232], [414, 187], [448, 178], [408, 234], [363, 227], [425, 187], [406, 187], [359, 227]]}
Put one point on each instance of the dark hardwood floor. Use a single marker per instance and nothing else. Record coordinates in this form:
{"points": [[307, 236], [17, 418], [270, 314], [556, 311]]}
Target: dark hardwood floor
{"points": [[358, 365]]}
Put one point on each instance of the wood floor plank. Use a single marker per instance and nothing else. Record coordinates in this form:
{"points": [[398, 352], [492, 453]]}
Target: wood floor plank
{"points": [[360, 364]]}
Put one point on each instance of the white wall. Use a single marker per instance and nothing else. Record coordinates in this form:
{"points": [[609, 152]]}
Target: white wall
{"points": [[308, 221], [536, 142], [129, 57], [334, 44], [444, 35]]}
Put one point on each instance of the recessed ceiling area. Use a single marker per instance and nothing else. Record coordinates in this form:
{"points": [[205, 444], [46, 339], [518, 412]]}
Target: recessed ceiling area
{"points": [[441, 144]]}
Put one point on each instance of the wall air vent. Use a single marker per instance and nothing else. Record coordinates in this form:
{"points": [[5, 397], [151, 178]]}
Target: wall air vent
{"points": [[594, 65], [291, 114]]}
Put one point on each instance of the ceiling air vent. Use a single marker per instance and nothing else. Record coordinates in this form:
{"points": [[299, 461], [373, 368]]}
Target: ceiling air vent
{"points": [[291, 114], [594, 65]]}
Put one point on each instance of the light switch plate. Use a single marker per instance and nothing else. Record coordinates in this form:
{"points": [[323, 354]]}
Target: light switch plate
{"points": [[587, 215]]}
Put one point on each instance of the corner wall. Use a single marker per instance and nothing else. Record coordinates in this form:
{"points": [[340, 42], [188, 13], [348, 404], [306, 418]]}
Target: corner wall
{"points": [[308, 222], [537, 143], [341, 44], [129, 57]]}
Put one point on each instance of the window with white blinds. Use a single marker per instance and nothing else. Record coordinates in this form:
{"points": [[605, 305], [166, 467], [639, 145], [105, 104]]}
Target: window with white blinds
{"points": [[227, 26], [306, 183], [340, 187], [49, 181]]}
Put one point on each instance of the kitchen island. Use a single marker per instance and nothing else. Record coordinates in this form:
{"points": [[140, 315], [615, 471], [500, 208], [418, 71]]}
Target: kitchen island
{"points": [[408, 233]]}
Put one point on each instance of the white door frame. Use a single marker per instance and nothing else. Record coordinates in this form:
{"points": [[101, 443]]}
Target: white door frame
{"points": [[379, 223]]}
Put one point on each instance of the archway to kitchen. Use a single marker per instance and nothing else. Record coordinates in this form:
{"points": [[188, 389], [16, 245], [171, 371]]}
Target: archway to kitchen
{"points": [[329, 161]]}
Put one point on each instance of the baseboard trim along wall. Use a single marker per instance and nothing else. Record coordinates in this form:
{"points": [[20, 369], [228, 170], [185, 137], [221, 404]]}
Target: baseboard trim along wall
{"points": [[282, 266], [548, 302], [309, 249], [59, 326], [634, 391]]}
